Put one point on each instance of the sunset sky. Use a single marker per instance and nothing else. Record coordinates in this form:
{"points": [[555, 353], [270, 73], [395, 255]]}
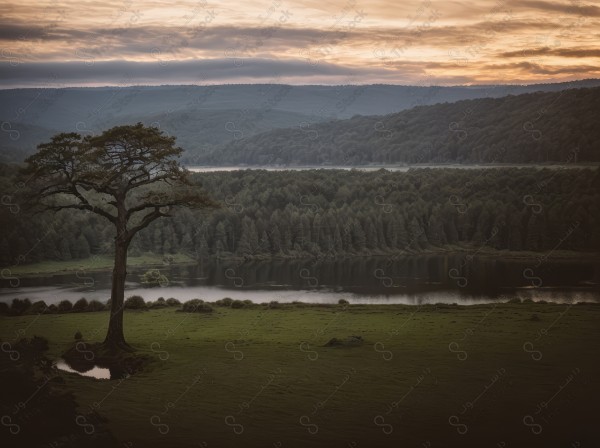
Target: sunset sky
{"points": [[68, 43]]}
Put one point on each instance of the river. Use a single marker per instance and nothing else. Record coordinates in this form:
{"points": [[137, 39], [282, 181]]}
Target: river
{"points": [[401, 280]]}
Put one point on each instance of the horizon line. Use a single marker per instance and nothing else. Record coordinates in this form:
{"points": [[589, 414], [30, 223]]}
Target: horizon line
{"points": [[121, 86]]}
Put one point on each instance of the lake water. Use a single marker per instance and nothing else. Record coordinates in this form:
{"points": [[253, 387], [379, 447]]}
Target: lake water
{"points": [[97, 372], [399, 280]]}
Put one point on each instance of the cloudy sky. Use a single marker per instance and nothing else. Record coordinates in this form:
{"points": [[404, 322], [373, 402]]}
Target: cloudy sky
{"points": [[67, 43]]}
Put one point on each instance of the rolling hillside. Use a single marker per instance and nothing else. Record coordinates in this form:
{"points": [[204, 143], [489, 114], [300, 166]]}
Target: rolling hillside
{"points": [[559, 127], [204, 116]]}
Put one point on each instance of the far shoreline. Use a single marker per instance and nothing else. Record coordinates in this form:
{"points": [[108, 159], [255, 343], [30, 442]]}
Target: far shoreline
{"points": [[104, 263], [391, 167]]}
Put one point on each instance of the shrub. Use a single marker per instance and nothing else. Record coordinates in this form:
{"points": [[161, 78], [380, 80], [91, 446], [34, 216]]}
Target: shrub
{"points": [[80, 305], [39, 343], [299, 304], [444, 306], [196, 306], [343, 302], [135, 303], [65, 306], [206, 308], [95, 305], [236, 304], [350, 341], [515, 300], [4, 308], [224, 302], [527, 301], [53, 309], [38, 307], [274, 304], [20, 306], [172, 301], [78, 336], [153, 277], [160, 303], [248, 302], [191, 305]]}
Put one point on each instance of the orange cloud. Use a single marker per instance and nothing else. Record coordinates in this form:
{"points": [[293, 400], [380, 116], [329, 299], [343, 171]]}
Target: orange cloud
{"points": [[377, 40]]}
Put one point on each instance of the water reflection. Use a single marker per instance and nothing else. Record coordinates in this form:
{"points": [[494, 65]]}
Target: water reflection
{"points": [[90, 370], [406, 280], [97, 372]]}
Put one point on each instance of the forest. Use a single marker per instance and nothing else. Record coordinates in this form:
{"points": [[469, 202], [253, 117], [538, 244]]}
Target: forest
{"points": [[335, 213], [542, 127]]}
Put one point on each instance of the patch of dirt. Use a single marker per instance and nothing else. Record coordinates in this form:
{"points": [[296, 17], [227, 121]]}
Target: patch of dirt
{"points": [[350, 341]]}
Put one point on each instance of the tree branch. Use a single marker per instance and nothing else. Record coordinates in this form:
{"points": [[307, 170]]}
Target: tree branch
{"points": [[89, 207], [146, 220]]}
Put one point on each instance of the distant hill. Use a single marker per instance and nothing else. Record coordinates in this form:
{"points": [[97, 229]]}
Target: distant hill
{"points": [[537, 127], [19, 140], [204, 116], [204, 129]]}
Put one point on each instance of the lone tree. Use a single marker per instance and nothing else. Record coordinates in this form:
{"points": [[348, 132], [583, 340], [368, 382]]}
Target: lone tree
{"points": [[129, 175]]}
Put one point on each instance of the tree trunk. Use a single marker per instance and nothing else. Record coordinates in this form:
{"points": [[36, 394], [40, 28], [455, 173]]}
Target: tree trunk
{"points": [[115, 338]]}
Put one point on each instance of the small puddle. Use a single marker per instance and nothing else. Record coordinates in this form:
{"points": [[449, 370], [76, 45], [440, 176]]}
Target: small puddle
{"points": [[95, 371]]}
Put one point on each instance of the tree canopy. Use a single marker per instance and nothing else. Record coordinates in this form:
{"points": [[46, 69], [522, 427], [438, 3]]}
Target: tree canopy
{"points": [[128, 175]]}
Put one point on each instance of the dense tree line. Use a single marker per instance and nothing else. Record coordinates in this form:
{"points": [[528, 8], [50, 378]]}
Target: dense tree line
{"points": [[337, 212], [530, 128]]}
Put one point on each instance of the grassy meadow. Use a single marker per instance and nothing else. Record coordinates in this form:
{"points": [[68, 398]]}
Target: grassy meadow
{"points": [[505, 375]]}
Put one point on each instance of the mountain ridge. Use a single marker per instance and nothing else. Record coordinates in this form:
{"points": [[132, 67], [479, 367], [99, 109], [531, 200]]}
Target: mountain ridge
{"points": [[537, 127], [216, 114]]}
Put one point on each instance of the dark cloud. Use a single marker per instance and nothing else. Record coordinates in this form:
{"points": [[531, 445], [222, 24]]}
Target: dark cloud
{"points": [[538, 69], [250, 41], [21, 32], [547, 51], [565, 8], [172, 72]]}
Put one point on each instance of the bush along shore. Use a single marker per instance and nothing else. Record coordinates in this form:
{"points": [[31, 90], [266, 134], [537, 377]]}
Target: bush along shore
{"points": [[23, 307]]}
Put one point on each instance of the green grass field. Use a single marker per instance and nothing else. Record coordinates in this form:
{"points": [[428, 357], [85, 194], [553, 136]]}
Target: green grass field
{"points": [[507, 375]]}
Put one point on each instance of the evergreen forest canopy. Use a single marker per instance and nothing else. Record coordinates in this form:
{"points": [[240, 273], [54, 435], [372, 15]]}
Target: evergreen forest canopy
{"points": [[337, 213], [541, 127]]}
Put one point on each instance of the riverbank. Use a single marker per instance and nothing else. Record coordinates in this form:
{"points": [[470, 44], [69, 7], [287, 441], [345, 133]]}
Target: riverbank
{"points": [[514, 374], [455, 250], [104, 263], [96, 263]]}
